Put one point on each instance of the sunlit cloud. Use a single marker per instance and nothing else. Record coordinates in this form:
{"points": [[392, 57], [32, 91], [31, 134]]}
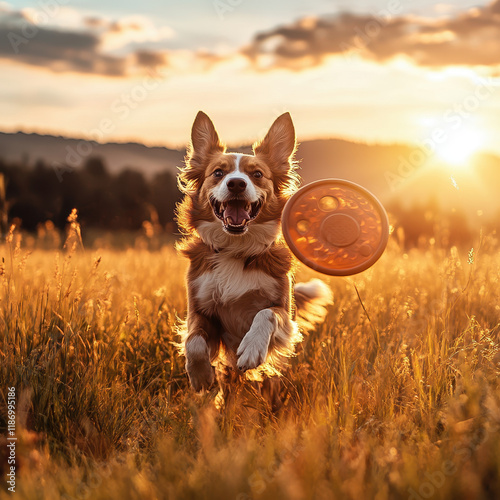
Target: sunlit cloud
{"points": [[131, 29], [469, 38], [73, 42], [91, 46]]}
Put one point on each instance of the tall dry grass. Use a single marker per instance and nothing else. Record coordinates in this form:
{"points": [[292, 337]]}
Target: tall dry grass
{"points": [[395, 396]]}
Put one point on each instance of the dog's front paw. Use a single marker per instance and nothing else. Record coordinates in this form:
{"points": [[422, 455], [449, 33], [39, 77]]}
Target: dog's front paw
{"points": [[252, 351], [201, 374]]}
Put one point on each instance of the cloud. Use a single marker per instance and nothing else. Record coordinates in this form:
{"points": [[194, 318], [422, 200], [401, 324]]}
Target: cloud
{"points": [[134, 44], [82, 51], [149, 59], [469, 38], [59, 51], [131, 30]]}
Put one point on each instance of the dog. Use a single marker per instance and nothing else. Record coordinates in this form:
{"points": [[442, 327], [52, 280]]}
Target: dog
{"points": [[244, 314]]}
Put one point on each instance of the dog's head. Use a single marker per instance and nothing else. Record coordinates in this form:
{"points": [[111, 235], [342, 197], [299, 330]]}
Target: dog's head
{"points": [[237, 191]]}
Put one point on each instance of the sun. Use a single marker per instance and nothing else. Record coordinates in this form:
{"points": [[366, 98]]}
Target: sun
{"points": [[459, 147]]}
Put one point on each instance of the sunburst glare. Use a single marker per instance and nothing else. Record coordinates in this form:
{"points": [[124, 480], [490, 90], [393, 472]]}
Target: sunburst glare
{"points": [[460, 146]]}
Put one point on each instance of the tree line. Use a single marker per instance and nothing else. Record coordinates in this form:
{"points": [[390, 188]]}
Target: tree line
{"points": [[127, 200], [121, 201]]}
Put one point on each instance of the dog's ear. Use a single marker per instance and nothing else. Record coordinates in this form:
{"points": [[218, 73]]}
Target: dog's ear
{"points": [[279, 145], [204, 137], [204, 142]]}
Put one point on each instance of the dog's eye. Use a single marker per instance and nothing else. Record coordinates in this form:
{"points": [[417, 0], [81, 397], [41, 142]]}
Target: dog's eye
{"points": [[218, 173], [258, 174]]}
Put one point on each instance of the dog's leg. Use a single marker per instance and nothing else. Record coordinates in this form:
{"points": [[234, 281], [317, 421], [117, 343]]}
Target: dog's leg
{"points": [[197, 351], [271, 387], [268, 325], [229, 381]]}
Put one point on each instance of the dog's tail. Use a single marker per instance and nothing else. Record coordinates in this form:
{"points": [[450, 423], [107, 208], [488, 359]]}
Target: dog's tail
{"points": [[311, 300]]}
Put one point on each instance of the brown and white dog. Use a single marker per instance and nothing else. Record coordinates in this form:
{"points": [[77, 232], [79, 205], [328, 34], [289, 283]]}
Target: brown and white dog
{"points": [[242, 307]]}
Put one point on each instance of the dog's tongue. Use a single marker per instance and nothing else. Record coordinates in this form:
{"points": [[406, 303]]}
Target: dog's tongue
{"points": [[235, 209]]}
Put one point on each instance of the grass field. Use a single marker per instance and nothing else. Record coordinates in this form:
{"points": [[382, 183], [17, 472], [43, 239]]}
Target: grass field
{"points": [[399, 401]]}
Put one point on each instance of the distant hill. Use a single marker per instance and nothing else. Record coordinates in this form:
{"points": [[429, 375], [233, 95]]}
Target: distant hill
{"points": [[319, 159], [383, 169], [28, 148]]}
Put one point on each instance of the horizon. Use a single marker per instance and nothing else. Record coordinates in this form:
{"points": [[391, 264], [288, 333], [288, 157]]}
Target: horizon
{"points": [[400, 173], [229, 146]]}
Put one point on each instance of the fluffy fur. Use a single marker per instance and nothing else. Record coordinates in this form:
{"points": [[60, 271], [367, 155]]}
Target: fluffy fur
{"points": [[243, 312]]}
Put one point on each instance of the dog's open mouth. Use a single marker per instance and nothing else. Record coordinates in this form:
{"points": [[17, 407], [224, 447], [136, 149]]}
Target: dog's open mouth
{"points": [[235, 214]]}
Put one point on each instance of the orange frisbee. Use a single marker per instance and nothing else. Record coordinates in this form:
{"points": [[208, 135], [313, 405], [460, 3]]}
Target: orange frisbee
{"points": [[335, 227]]}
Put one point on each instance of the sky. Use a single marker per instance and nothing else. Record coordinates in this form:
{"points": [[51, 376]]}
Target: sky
{"points": [[386, 71]]}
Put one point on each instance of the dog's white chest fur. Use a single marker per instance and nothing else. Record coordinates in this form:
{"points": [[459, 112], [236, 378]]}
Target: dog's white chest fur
{"points": [[229, 281]]}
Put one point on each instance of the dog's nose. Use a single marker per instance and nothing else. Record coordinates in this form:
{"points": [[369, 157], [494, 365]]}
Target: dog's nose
{"points": [[236, 185]]}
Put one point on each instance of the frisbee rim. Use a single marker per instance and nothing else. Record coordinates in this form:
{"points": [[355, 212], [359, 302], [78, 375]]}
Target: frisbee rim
{"points": [[318, 267]]}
